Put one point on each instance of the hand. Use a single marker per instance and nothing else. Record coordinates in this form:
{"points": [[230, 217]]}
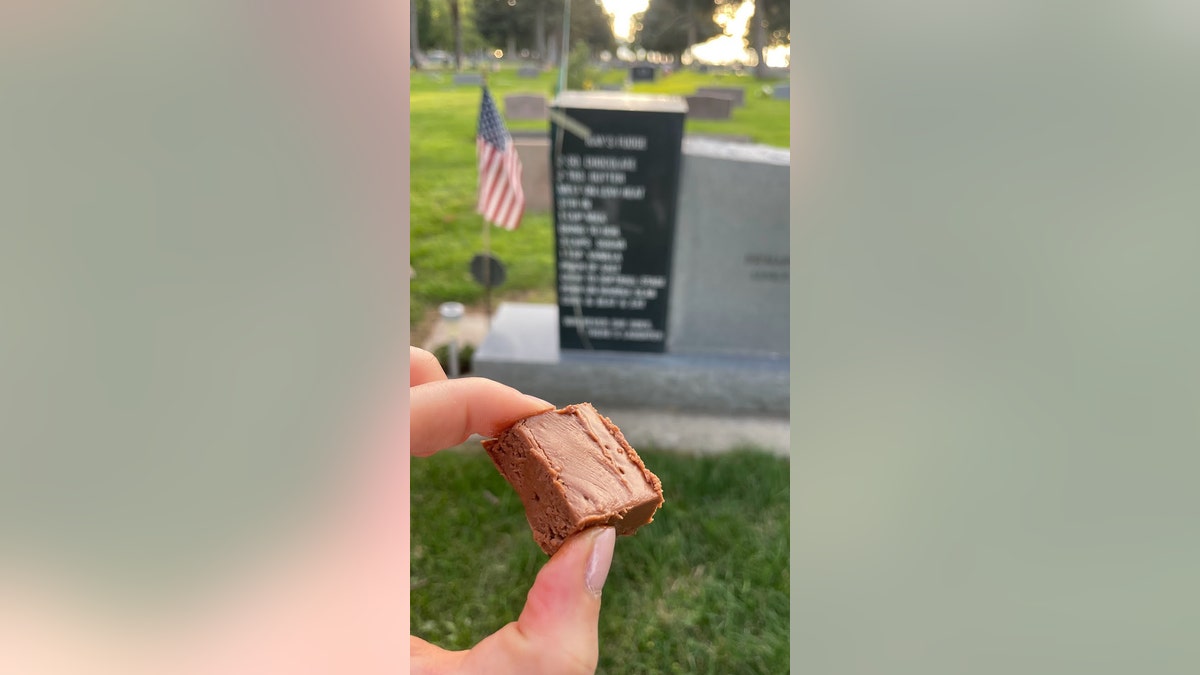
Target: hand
{"points": [[556, 632]]}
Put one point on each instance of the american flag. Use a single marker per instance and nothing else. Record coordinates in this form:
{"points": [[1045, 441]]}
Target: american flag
{"points": [[501, 200]]}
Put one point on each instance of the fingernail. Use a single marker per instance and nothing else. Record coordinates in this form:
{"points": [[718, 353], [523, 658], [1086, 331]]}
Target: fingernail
{"points": [[539, 402], [600, 560]]}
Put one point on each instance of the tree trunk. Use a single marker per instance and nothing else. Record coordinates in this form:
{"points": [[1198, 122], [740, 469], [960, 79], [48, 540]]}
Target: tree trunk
{"points": [[414, 43], [692, 36], [539, 33], [456, 22], [511, 52], [758, 37]]}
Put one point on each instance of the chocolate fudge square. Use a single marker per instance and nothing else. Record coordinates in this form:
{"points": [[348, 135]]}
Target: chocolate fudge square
{"points": [[573, 469]]}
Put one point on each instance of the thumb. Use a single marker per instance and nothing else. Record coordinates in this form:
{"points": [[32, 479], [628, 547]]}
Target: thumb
{"points": [[565, 598], [557, 630]]}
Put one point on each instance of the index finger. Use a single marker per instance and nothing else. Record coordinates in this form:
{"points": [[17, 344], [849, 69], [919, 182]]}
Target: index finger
{"points": [[446, 412], [423, 367]]}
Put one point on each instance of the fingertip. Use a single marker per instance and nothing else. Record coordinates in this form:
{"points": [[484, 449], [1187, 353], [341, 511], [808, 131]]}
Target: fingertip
{"points": [[423, 367], [446, 412], [600, 560], [540, 403]]}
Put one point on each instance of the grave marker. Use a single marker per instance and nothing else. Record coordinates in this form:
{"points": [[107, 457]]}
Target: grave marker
{"points": [[614, 214], [641, 73], [702, 107], [736, 94], [525, 107]]}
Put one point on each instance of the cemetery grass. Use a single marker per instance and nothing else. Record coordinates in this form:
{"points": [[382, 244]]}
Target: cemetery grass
{"points": [[445, 230], [703, 589]]}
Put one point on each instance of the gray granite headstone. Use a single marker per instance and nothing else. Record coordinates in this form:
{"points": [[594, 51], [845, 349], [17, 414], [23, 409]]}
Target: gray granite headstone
{"points": [[533, 149], [737, 94], [783, 92], [468, 78], [528, 72], [729, 292], [522, 351], [727, 138], [525, 107], [702, 107]]}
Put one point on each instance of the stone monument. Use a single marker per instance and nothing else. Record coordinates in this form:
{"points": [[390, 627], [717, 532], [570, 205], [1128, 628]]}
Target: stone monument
{"points": [[525, 107], [735, 94], [704, 107], [642, 73], [615, 190], [672, 268]]}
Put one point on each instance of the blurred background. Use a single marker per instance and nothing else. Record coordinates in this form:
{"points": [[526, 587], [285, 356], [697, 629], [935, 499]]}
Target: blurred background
{"points": [[994, 321], [200, 278]]}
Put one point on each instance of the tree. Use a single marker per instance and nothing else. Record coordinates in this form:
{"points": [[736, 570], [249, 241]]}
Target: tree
{"points": [[592, 25], [497, 21], [456, 23], [773, 18], [414, 42], [433, 24], [535, 24], [671, 26]]}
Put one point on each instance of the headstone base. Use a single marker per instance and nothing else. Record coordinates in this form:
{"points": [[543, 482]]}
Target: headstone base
{"points": [[522, 351]]}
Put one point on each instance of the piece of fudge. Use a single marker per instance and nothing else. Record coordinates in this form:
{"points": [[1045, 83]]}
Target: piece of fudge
{"points": [[573, 469]]}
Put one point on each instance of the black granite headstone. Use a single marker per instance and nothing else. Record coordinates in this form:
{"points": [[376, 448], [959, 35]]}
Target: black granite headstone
{"points": [[615, 163], [641, 74]]}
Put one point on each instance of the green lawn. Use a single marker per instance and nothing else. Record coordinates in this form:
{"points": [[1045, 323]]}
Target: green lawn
{"points": [[446, 232], [703, 589]]}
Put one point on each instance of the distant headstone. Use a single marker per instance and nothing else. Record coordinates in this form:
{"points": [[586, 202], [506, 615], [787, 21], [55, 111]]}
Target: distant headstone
{"points": [[783, 92], [730, 289], [703, 107], [737, 94], [528, 72], [533, 149], [525, 107], [615, 198], [468, 78], [641, 73]]}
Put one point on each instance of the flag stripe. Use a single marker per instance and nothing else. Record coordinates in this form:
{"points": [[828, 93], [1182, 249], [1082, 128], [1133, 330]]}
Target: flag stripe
{"points": [[501, 199]]}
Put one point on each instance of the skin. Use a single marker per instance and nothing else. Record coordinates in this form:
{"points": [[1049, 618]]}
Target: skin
{"points": [[557, 630]]}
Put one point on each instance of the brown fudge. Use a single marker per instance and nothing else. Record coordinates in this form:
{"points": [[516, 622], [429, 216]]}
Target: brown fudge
{"points": [[573, 469]]}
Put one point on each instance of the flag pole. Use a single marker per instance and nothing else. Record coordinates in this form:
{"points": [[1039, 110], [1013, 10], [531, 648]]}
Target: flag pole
{"points": [[566, 42], [487, 256], [487, 271]]}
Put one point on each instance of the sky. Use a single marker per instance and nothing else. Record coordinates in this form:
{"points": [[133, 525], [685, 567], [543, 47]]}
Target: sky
{"points": [[728, 48]]}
